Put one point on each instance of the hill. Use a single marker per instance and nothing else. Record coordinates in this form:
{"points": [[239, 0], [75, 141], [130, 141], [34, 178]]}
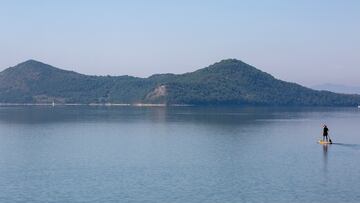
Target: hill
{"points": [[228, 82]]}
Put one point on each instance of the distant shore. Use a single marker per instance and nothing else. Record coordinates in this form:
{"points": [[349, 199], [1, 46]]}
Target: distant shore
{"points": [[135, 105], [92, 104]]}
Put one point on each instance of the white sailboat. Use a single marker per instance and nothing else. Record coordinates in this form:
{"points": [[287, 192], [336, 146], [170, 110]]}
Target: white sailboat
{"points": [[53, 103]]}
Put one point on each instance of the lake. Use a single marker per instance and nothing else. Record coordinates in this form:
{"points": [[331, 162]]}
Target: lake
{"points": [[178, 154]]}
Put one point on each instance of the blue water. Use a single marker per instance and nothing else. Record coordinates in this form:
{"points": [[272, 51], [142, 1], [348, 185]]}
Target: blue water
{"points": [[180, 154]]}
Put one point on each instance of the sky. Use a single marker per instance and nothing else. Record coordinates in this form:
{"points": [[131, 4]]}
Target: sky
{"points": [[308, 42]]}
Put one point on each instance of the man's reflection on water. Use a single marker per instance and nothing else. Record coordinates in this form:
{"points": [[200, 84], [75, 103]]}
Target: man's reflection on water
{"points": [[325, 156]]}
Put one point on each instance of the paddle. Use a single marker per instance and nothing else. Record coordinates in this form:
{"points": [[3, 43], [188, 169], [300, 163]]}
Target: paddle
{"points": [[330, 139]]}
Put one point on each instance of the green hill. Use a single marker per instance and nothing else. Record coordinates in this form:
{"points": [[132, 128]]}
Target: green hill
{"points": [[228, 82]]}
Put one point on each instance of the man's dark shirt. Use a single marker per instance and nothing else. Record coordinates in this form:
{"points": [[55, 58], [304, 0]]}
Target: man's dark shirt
{"points": [[325, 131]]}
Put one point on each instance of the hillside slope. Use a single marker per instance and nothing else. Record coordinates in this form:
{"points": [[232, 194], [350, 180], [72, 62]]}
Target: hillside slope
{"points": [[228, 82]]}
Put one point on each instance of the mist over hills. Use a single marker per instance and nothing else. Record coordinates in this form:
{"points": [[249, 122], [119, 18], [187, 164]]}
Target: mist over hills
{"points": [[228, 82], [338, 88]]}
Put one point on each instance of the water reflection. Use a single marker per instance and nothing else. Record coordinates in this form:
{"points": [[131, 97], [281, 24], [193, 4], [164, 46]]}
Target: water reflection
{"points": [[221, 116], [325, 156], [215, 116]]}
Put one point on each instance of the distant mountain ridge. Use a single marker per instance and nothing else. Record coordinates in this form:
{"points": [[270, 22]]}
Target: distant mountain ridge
{"points": [[338, 88], [228, 82]]}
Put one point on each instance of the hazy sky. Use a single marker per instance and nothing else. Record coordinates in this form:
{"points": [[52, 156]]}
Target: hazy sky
{"points": [[309, 42]]}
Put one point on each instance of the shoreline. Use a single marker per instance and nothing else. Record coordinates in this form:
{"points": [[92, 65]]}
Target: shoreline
{"points": [[151, 105], [93, 104]]}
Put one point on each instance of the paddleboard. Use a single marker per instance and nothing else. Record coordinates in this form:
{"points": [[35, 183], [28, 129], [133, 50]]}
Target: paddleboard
{"points": [[324, 142]]}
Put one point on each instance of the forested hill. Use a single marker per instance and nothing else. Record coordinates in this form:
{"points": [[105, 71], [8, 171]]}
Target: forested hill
{"points": [[228, 82]]}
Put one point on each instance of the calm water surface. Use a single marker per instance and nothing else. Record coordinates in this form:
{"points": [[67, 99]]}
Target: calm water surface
{"points": [[182, 154]]}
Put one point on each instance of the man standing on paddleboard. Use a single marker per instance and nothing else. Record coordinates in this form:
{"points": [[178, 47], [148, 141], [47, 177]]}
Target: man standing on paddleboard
{"points": [[325, 133]]}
